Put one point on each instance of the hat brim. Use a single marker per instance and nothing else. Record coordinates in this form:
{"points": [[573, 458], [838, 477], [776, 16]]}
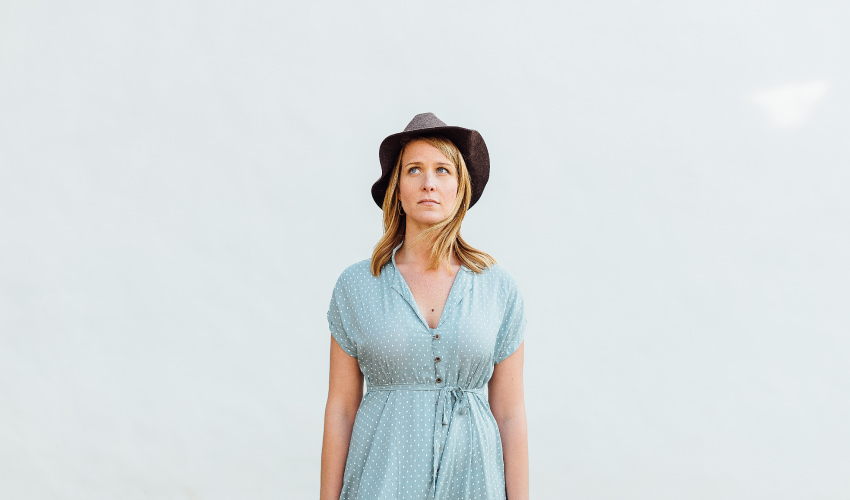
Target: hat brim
{"points": [[469, 142]]}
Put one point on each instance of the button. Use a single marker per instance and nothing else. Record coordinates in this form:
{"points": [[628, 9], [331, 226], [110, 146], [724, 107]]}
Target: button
{"points": [[437, 336], [437, 359], [439, 380]]}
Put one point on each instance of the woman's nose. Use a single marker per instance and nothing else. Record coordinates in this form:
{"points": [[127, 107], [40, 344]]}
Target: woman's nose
{"points": [[428, 183]]}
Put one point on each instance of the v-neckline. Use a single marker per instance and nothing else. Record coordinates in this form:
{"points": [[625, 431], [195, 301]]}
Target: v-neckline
{"points": [[408, 294]]}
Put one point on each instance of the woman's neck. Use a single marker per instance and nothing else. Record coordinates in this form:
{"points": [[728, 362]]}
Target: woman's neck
{"points": [[418, 255]]}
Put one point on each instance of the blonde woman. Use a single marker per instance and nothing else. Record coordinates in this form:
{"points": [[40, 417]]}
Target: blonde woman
{"points": [[435, 328]]}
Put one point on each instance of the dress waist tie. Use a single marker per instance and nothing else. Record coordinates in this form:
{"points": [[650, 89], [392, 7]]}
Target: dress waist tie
{"points": [[452, 399]]}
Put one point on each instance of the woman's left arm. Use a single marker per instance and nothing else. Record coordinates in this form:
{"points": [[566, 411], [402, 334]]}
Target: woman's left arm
{"points": [[507, 402]]}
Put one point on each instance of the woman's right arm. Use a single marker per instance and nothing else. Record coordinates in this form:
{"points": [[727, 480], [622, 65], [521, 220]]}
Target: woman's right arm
{"points": [[345, 390]]}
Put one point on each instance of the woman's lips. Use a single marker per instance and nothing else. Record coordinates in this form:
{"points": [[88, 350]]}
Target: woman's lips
{"points": [[428, 202]]}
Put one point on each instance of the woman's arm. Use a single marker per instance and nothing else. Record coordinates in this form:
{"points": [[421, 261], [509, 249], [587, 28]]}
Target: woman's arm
{"points": [[345, 390], [507, 402]]}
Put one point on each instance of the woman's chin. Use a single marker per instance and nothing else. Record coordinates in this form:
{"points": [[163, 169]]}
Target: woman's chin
{"points": [[426, 219]]}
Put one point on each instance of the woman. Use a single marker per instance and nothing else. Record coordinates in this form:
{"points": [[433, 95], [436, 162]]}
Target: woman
{"points": [[429, 321]]}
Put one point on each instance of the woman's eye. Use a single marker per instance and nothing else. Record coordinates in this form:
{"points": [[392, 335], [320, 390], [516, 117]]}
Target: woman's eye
{"points": [[413, 170]]}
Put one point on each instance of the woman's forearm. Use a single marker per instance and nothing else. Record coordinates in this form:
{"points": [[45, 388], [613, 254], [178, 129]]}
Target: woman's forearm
{"points": [[337, 438], [514, 434]]}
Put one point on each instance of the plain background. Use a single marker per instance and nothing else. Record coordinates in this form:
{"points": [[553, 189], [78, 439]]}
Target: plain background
{"points": [[181, 183]]}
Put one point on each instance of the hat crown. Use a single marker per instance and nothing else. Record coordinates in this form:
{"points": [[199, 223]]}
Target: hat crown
{"points": [[424, 121]]}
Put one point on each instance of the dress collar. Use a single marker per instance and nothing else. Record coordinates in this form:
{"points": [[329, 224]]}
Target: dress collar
{"points": [[394, 251], [460, 287]]}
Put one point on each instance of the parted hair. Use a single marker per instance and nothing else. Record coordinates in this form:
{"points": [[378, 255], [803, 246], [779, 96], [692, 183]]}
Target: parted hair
{"points": [[447, 231]]}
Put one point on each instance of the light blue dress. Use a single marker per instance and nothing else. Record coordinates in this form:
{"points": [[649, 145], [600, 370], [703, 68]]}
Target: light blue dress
{"points": [[424, 429]]}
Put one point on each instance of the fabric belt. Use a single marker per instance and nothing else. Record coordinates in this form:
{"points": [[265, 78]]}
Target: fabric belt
{"points": [[452, 398]]}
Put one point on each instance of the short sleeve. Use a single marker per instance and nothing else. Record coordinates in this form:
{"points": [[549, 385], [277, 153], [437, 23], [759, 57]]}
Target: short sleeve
{"points": [[512, 329], [336, 322]]}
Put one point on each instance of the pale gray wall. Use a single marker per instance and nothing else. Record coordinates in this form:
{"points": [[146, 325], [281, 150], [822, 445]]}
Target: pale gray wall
{"points": [[182, 182]]}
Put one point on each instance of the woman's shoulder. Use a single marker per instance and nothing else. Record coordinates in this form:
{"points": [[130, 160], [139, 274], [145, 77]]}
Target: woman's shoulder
{"points": [[496, 275], [356, 274]]}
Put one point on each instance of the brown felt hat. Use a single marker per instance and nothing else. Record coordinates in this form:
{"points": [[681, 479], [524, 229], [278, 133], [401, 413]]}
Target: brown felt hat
{"points": [[469, 142]]}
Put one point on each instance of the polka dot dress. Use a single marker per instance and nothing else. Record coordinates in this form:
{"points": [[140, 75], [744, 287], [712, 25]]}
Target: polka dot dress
{"points": [[424, 429]]}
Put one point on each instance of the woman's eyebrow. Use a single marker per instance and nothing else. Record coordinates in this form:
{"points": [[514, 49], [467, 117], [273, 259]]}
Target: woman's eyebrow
{"points": [[420, 163]]}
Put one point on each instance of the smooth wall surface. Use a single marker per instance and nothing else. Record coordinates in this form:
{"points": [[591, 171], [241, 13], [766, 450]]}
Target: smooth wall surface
{"points": [[182, 182]]}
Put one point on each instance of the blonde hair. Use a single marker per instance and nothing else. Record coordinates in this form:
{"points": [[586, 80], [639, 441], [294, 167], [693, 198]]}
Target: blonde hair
{"points": [[447, 231]]}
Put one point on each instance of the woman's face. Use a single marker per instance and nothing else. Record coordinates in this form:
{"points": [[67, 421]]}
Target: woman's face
{"points": [[426, 174]]}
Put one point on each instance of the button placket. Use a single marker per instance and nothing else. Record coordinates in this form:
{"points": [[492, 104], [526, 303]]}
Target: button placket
{"points": [[435, 337]]}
